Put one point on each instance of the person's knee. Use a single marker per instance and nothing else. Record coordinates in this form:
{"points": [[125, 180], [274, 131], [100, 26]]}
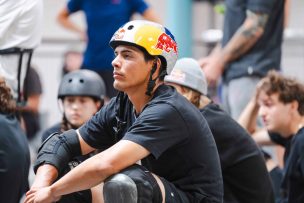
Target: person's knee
{"points": [[119, 188], [134, 184]]}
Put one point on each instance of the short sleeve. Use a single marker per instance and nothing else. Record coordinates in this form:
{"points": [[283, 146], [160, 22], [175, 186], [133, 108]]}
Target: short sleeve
{"points": [[261, 5], [139, 6], [158, 128], [74, 5]]}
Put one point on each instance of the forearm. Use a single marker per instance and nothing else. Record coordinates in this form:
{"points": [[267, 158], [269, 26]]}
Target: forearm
{"points": [[86, 175], [32, 104], [150, 14], [63, 19], [45, 176], [245, 37], [261, 137], [97, 168], [248, 117]]}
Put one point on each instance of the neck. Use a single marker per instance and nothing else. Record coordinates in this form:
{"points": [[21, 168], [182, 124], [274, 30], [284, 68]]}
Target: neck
{"points": [[139, 98], [301, 124], [298, 124], [204, 101]]}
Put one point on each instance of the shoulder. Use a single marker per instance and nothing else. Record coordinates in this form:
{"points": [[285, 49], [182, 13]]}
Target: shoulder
{"points": [[49, 131]]}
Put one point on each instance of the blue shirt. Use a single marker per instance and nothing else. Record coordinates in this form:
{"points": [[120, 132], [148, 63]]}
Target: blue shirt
{"points": [[103, 18], [266, 53]]}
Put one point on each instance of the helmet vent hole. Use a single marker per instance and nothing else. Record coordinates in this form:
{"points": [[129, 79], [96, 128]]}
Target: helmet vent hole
{"points": [[81, 81], [70, 80], [130, 27]]}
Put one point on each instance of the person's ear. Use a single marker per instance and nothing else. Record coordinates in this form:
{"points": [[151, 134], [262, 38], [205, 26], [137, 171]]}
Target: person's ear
{"points": [[294, 105]]}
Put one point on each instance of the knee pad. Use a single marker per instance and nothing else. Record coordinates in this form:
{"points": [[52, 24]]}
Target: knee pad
{"points": [[119, 188], [135, 176]]}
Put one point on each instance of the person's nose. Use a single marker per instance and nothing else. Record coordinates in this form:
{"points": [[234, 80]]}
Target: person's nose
{"points": [[116, 62], [262, 111], [75, 105]]}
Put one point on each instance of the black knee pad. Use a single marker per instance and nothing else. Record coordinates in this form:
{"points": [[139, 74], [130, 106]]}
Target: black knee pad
{"points": [[121, 187]]}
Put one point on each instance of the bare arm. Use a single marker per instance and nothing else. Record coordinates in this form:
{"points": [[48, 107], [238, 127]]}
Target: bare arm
{"points": [[32, 104], [46, 174], [249, 115], [63, 19], [150, 14], [246, 36], [241, 42], [93, 171]]}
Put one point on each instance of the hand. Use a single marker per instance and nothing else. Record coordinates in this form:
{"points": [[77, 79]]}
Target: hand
{"points": [[213, 67], [42, 195], [257, 92]]}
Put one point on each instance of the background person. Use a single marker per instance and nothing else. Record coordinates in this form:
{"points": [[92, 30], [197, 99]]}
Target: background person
{"points": [[280, 103], [251, 46], [243, 169], [14, 150]]}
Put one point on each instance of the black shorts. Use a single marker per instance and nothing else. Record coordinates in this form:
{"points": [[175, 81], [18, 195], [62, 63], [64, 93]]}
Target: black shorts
{"points": [[173, 194]]}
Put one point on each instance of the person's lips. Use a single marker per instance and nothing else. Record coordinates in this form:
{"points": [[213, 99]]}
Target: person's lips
{"points": [[117, 75]]}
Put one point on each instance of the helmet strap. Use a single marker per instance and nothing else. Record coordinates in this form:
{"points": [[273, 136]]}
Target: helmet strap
{"points": [[151, 83]]}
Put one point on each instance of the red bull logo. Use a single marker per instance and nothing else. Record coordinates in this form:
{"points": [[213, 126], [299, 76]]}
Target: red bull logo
{"points": [[166, 43], [119, 34]]}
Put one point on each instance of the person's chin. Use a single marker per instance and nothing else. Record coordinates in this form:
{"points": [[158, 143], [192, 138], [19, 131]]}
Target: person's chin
{"points": [[117, 86]]}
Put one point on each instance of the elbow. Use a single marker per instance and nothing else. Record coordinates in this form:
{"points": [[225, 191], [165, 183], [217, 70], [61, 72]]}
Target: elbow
{"points": [[106, 169]]}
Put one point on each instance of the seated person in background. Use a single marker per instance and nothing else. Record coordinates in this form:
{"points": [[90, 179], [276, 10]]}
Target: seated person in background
{"points": [[81, 93], [280, 103], [243, 169], [14, 150]]}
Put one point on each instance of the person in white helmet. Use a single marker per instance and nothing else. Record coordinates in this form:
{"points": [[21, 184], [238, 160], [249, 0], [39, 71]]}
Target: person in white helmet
{"points": [[243, 169], [148, 122]]}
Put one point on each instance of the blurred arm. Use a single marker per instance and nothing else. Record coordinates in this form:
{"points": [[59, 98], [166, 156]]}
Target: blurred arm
{"points": [[150, 14], [246, 36], [249, 115], [64, 20]]}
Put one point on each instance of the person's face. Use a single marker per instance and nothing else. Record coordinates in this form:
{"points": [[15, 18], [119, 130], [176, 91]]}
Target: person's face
{"points": [[79, 109], [73, 61], [131, 71], [276, 115]]}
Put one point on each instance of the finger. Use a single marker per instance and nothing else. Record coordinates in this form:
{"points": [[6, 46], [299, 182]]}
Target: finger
{"points": [[29, 198], [31, 191]]}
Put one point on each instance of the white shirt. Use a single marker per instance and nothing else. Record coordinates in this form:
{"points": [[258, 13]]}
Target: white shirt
{"points": [[20, 26]]}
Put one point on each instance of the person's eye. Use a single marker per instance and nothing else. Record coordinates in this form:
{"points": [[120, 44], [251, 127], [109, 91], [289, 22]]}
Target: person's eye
{"points": [[127, 56]]}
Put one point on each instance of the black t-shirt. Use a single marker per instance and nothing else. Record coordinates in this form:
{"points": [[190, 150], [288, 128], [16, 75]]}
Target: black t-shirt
{"points": [[14, 160], [266, 52], [293, 180], [83, 196], [284, 142], [238, 152], [182, 147]]}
